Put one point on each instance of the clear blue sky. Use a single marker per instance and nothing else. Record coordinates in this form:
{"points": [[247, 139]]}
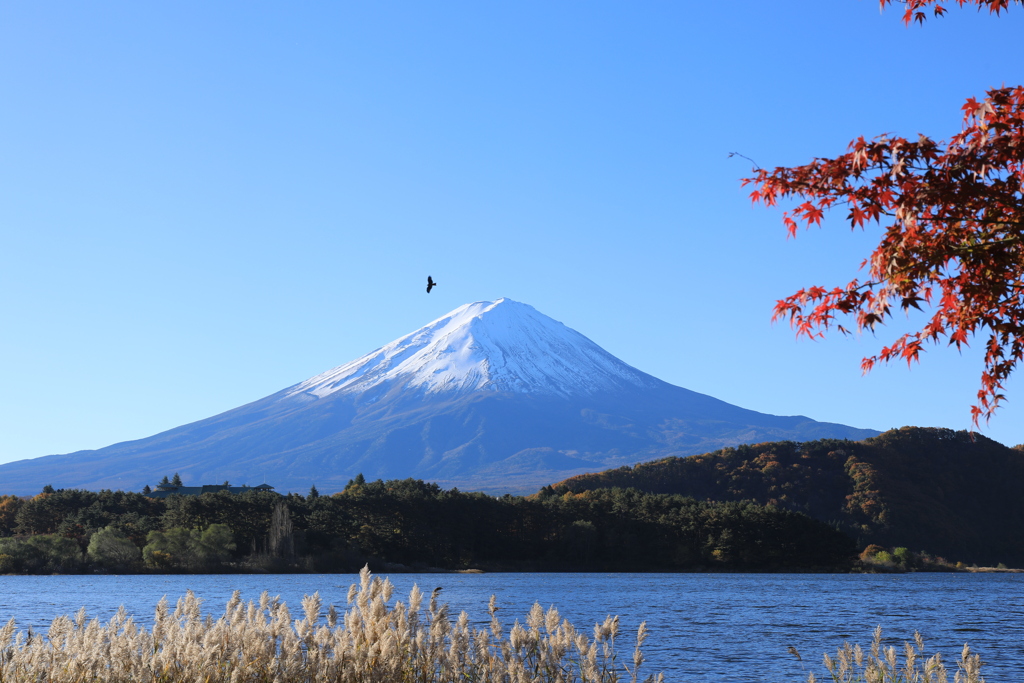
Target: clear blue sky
{"points": [[203, 203]]}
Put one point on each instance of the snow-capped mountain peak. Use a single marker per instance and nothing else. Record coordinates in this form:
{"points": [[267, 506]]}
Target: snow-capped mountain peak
{"points": [[493, 396], [498, 345]]}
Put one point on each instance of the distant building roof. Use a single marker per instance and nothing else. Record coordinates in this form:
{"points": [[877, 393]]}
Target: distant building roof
{"points": [[164, 490]]}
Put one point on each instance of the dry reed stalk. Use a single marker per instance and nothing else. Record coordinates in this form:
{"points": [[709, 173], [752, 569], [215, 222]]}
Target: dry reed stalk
{"points": [[370, 643], [884, 665]]}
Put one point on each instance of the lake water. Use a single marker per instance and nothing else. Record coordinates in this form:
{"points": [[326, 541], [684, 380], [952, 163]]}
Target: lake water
{"points": [[704, 627]]}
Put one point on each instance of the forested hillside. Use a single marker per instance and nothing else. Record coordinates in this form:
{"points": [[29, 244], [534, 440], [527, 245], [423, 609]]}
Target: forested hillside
{"points": [[411, 523], [954, 494]]}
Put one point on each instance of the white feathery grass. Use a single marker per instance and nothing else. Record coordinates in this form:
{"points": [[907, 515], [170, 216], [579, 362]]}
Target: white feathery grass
{"points": [[259, 642], [885, 665]]}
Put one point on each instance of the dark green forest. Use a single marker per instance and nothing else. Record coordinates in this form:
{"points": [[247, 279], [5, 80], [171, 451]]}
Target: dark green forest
{"points": [[393, 525], [954, 494], [782, 506]]}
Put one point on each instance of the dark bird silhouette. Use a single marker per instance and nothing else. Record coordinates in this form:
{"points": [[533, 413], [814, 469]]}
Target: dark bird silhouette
{"points": [[430, 284]]}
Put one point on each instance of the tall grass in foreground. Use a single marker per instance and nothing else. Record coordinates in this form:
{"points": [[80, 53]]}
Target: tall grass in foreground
{"points": [[852, 665], [259, 642]]}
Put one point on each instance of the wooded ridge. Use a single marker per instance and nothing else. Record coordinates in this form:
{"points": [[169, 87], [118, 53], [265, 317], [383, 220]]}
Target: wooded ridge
{"points": [[951, 493]]}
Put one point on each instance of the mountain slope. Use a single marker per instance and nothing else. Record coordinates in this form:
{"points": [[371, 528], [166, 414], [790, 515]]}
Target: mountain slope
{"points": [[493, 396], [954, 494]]}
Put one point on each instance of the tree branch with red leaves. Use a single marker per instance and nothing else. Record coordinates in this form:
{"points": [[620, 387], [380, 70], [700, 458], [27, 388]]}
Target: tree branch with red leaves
{"points": [[953, 221], [915, 8]]}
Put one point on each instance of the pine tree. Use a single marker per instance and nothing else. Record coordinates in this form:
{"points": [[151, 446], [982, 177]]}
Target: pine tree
{"points": [[313, 493], [176, 481], [355, 484]]}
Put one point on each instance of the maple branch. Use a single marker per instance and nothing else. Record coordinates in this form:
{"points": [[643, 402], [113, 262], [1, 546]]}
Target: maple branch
{"points": [[984, 245], [952, 218], [744, 156]]}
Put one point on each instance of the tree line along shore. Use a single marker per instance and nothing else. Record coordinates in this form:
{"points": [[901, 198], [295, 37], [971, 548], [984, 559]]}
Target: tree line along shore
{"points": [[901, 501], [407, 524]]}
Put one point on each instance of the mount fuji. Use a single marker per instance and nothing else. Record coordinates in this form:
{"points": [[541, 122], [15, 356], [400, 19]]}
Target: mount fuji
{"points": [[493, 396]]}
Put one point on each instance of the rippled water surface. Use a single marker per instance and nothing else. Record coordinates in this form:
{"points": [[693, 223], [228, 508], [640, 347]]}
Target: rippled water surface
{"points": [[704, 627]]}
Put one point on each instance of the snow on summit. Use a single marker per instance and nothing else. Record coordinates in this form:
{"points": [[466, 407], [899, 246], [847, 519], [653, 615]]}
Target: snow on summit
{"points": [[498, 345]]}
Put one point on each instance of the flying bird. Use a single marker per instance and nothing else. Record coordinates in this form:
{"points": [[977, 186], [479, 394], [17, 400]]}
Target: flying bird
{"points": [[430, 284]]}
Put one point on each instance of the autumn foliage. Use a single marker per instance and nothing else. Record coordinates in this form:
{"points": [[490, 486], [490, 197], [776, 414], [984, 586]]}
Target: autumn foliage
{"points": [[950, 493], [953, 220], [914, 10]]}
